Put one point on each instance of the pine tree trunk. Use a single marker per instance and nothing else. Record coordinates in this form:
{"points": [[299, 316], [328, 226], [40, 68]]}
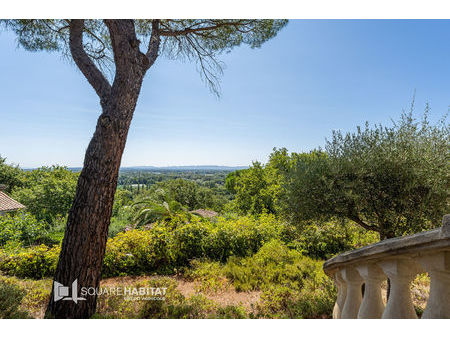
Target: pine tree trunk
{"points": [[86, 232], [84, 243], [83, 247]]}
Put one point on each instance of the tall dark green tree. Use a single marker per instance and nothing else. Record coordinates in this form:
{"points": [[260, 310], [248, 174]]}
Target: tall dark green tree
{"points": [[258, 188], [129, 48]]}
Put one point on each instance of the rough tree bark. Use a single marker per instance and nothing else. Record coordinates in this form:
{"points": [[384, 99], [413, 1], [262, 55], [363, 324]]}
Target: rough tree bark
{"points": [[388, 286], [86, 233]]}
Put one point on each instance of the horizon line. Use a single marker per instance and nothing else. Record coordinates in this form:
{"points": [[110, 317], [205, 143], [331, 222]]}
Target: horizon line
{"points": [[146, 166]]}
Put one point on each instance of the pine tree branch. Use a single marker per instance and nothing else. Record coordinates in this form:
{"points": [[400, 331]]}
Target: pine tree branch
{"points": [[94, 76], [153, 46]]}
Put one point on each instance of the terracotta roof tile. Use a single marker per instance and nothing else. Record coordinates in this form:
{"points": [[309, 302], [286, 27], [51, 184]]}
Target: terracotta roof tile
{"points": [[8, 204]]}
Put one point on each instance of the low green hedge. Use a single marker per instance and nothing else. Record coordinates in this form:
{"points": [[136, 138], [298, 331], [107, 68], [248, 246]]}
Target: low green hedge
{"points": [[165, 247], [161, 249]]}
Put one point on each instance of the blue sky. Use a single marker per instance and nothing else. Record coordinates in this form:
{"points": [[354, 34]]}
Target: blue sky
{"points": [[315, 76]]}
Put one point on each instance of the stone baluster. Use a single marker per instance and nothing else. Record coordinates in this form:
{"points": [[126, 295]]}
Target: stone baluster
{"points": [[400, 272], [372, 305], [353, 297], [341, 295], [438, 267]]}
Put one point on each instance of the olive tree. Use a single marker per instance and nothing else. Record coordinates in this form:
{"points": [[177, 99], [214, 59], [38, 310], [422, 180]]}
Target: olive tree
{"points": [[392, 180], [126, 49]]}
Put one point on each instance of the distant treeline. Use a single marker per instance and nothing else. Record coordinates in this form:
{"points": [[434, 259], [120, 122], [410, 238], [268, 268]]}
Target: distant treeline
{"points": [[143, 179]]}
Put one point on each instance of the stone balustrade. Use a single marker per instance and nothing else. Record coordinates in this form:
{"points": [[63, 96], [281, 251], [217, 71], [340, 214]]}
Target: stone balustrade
{"points": [[400, 259]]}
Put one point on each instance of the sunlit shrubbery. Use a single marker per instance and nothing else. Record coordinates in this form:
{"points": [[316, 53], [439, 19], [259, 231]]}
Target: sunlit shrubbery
{"points": [[165, 246], [35, 262], [190, 240], [137, 252], [291, 285], [160, 248], [325, 239], [121, 219], [242, 236], [262, 251], [208, 276], [283, 302], [274, 263]]}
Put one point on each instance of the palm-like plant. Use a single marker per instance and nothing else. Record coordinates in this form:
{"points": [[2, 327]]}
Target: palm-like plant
{"points": [[152, 210]]}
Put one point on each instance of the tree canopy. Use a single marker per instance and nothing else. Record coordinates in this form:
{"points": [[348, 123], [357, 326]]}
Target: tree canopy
{"points": [[200, 41], [47, 192], [258, 188], [10, 176], [392, 180]]}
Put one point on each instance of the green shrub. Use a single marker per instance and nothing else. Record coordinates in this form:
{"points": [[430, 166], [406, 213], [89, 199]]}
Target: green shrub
{"points": [[165, 246], [22, 227], [242, 236], [190, 241], [292, 285], [276, 264], [34, 262], [208, 275], [10, 298], [308, 303], [172, 305], [56, 232], [137, 252], [37, 293], [200, 238], [326, 239], [177, 306], [47, 192], [316, 303], [231, 312]]}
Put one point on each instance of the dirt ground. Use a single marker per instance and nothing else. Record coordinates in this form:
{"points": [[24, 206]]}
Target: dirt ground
{"points": [[228, 296]]}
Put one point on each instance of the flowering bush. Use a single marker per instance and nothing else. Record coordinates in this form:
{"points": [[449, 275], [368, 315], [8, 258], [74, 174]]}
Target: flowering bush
{"points": [[137, 252], [35, 262]]}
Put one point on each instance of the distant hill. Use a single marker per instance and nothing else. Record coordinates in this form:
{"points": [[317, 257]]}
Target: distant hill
{"points": [[184, 168], [170, 168]]}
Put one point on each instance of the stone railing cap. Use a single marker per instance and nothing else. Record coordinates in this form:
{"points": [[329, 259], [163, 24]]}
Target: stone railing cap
{"points": [[424, 241]]}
